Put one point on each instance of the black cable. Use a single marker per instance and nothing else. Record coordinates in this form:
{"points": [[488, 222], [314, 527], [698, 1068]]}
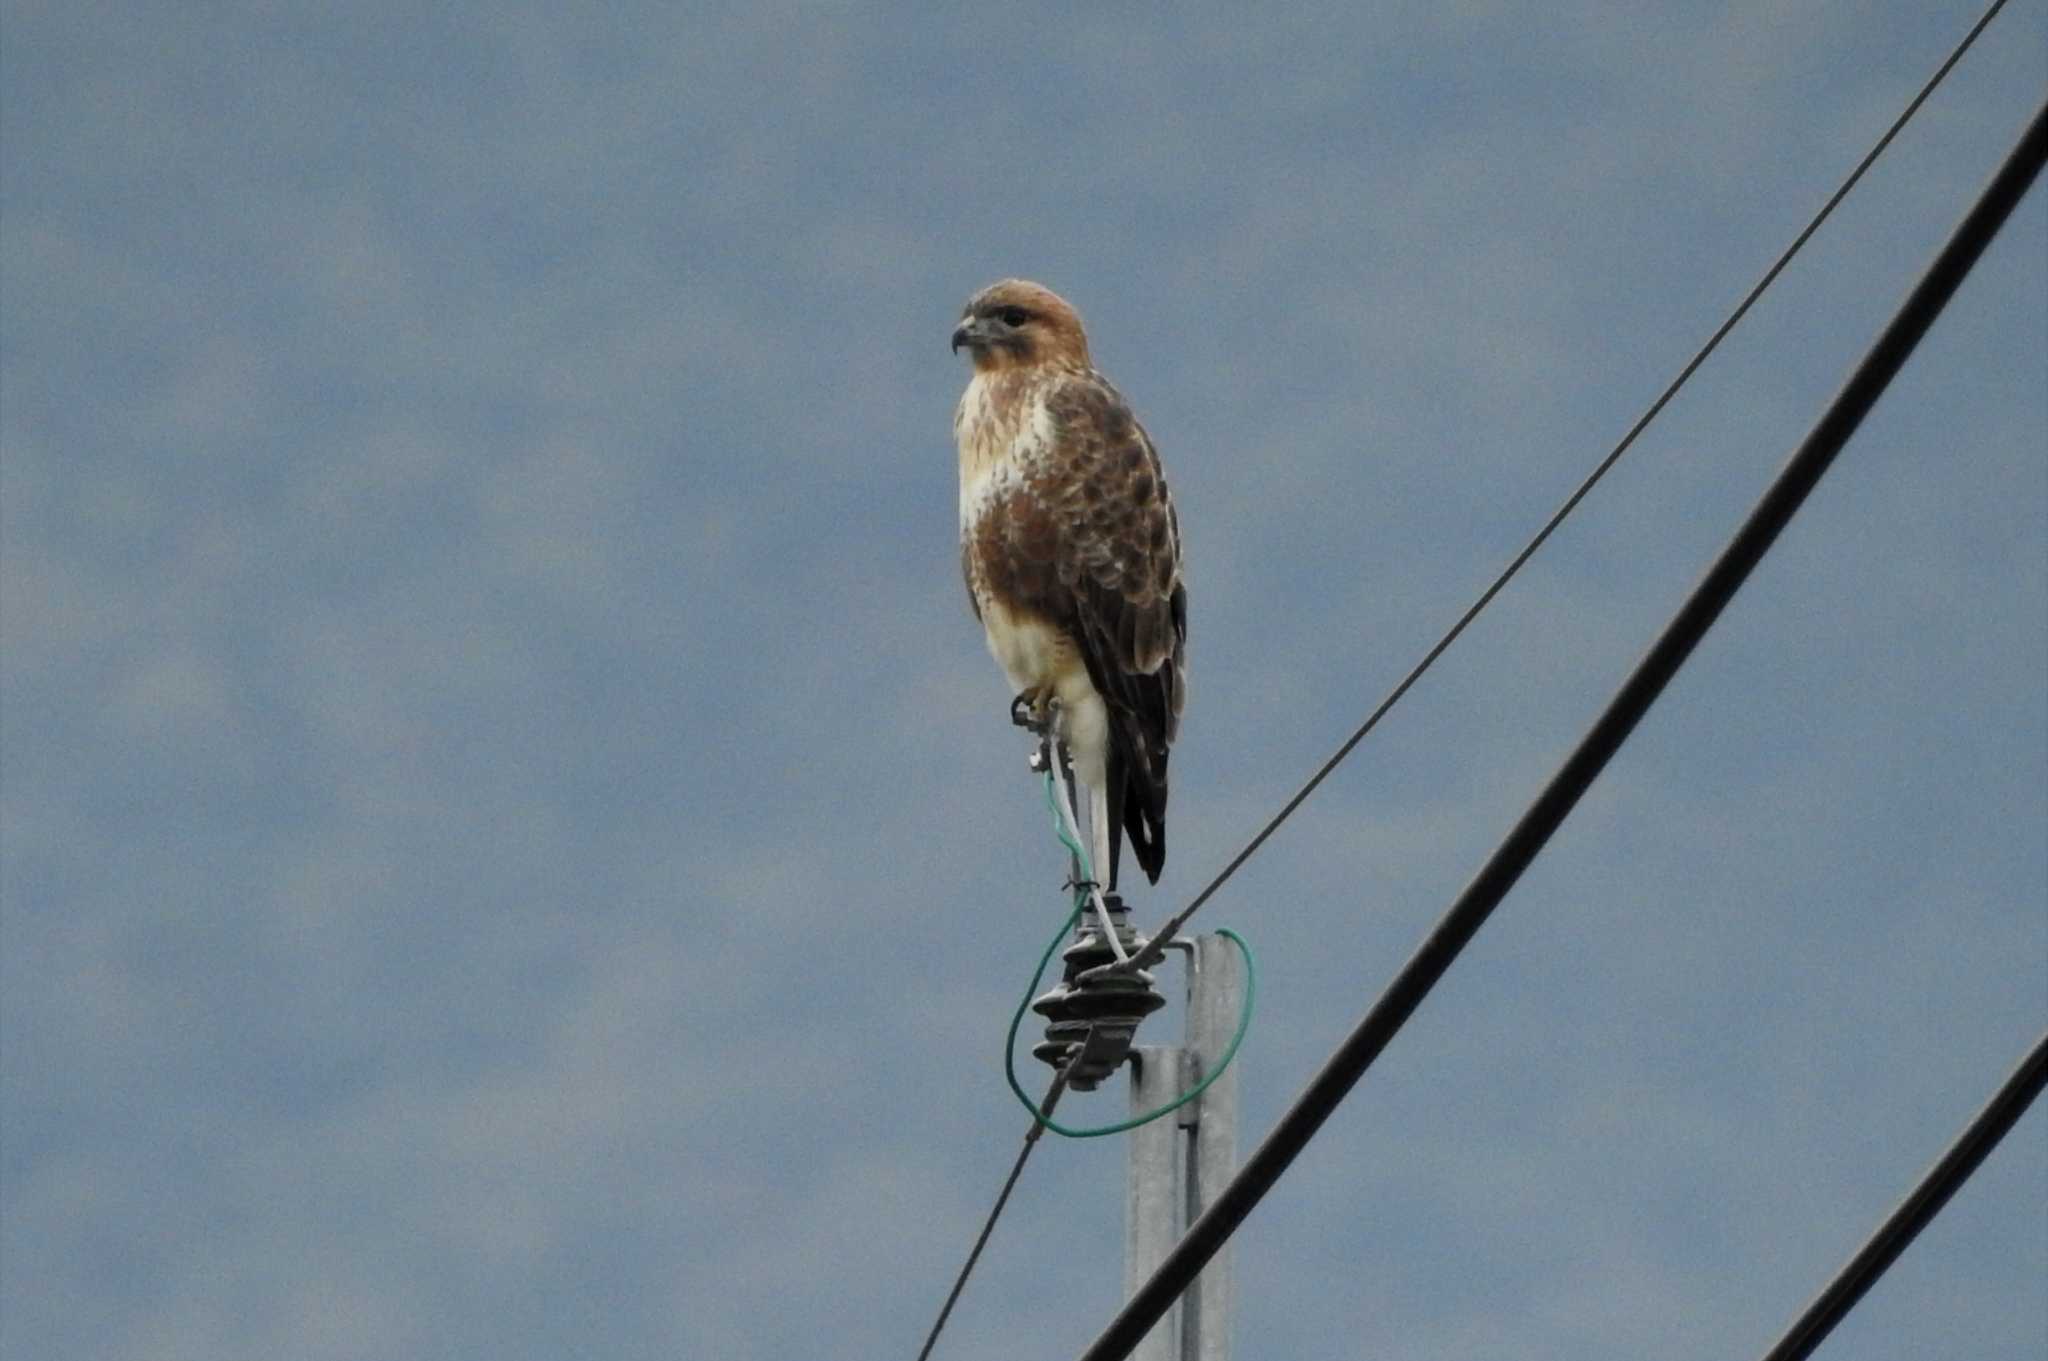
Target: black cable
{"points": [[1498, 875], [1031, 1136], [1871, 1260], [1155, 948]]}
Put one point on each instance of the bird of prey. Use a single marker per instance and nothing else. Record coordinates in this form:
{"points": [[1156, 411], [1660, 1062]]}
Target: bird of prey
{"points": [[1071, 550]]}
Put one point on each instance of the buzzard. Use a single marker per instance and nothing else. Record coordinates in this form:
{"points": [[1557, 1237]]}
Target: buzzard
{"points": [[1071, 551]]}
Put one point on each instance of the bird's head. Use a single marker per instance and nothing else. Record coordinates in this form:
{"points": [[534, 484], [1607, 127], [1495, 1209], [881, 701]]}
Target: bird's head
{"points": [[1018, 324]]}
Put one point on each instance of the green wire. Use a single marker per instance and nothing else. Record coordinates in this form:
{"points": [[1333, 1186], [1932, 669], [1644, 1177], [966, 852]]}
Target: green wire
{"points": [[1244, 1017]]}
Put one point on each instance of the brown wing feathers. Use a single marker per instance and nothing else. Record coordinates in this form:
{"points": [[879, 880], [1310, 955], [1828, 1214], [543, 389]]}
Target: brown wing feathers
{"points": [[1119, 557]]}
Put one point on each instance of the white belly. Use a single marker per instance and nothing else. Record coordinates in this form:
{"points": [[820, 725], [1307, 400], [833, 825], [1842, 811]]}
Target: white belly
{"points": [[1034, 654]]}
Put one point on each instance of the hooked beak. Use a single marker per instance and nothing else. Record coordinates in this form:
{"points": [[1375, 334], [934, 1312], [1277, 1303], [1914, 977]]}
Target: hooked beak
{"points": [[972, 333]]}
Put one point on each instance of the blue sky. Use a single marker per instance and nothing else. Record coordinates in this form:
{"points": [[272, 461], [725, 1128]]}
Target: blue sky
{"points": [[512, 843]]}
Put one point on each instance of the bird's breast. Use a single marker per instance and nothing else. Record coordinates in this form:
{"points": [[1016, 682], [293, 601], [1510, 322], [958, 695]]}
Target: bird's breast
{"points": [[1003, 431]]}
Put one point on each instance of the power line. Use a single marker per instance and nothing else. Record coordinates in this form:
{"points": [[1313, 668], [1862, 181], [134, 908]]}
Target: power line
{"points": [[1157, 945], [1031, 1137], [1155, 948], [1772, 513], [1921, 1206]]}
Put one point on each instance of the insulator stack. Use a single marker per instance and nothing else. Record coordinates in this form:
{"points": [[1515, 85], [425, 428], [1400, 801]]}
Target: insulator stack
{"points": [[1098, 1018]]}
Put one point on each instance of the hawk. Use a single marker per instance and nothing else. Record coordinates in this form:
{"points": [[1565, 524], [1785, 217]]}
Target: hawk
{"points": [[1071, 550]]}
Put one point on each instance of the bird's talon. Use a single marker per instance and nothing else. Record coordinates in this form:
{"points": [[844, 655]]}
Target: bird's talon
{"points": [[1034, 710]]}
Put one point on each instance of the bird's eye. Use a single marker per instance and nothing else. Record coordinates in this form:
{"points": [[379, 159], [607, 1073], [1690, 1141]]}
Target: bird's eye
{"points": [[1015, 316]]}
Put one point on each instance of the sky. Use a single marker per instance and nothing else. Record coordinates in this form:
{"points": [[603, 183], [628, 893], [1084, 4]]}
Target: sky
{"points": [[511, 843]]}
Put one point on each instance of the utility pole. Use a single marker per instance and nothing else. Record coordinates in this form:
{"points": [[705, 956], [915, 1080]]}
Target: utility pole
{"points": [[1178, 1163]]}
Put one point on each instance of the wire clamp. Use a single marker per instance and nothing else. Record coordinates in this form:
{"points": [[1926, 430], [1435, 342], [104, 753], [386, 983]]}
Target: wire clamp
{"points": [[1041, 719]]}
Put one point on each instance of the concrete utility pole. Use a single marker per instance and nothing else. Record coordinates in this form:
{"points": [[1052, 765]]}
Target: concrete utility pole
{"points": [[1179, 1162]]}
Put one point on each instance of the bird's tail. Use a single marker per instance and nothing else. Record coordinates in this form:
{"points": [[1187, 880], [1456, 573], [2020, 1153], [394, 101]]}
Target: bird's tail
{"points": [[1137, 801]]}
